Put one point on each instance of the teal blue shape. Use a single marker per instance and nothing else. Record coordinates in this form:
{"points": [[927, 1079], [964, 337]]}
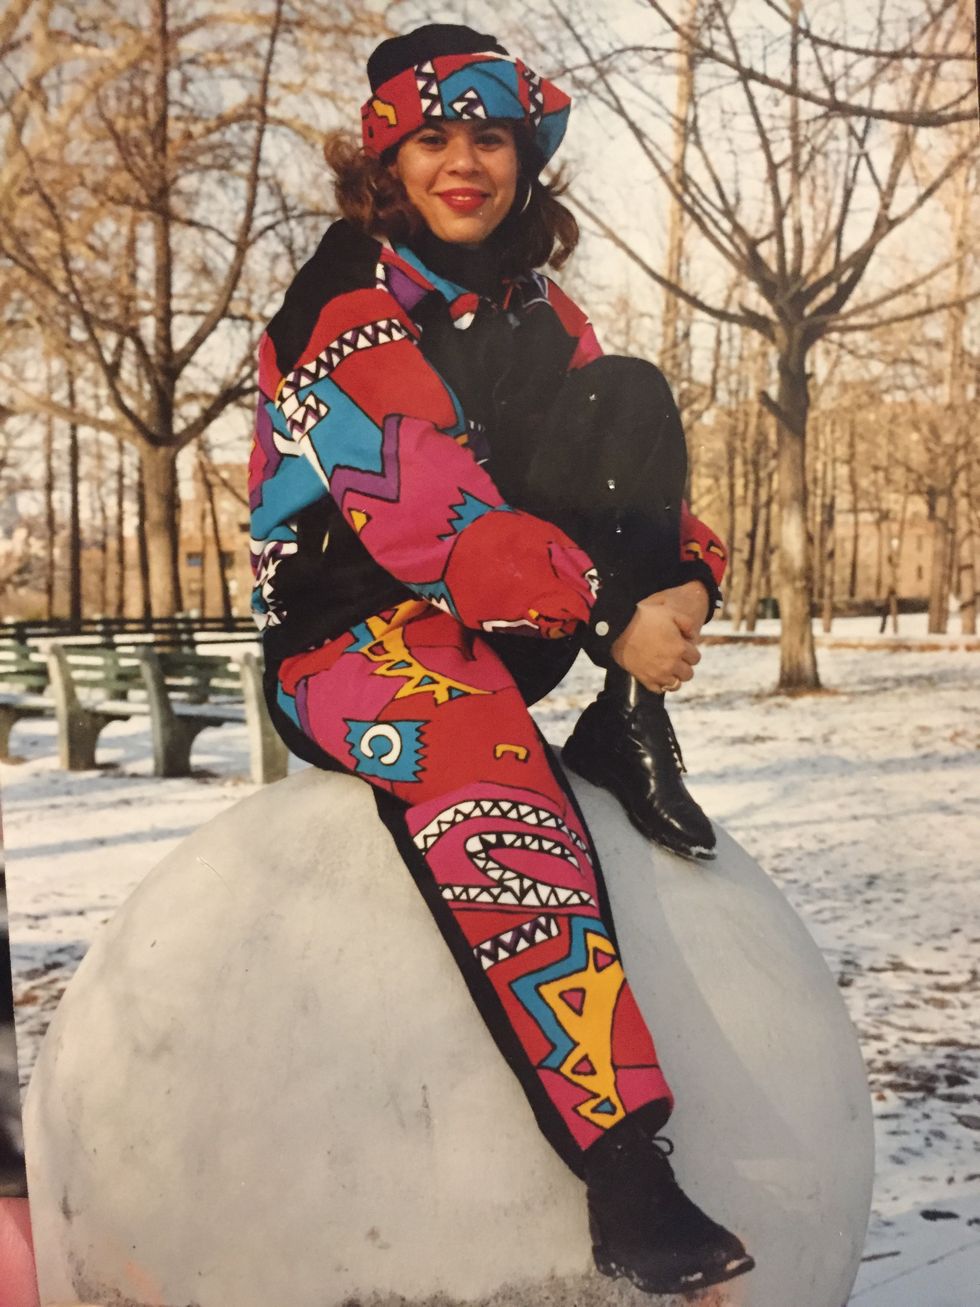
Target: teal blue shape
{"points": [[363, 638], [389, 751], [294, 487], [346, 437], [469, 509], [432, 590], [551, 130], [494, 81], [527, 988]]}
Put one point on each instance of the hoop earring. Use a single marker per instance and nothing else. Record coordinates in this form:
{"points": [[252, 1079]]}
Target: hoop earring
{"points": [[527, 198]]}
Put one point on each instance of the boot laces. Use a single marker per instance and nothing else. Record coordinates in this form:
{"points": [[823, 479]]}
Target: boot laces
{"points": [[675, 749], [636, 714]]}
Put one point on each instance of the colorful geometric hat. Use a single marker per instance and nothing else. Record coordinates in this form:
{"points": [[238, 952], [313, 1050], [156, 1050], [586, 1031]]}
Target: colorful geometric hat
{"points": [[447, 71]]}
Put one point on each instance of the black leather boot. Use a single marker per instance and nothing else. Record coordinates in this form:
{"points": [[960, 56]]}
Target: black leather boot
{"points": [[643, 1225], [624, 742]]}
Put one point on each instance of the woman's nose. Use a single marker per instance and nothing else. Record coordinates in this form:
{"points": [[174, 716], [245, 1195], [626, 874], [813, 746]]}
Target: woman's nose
{"points": [[461, 155]]}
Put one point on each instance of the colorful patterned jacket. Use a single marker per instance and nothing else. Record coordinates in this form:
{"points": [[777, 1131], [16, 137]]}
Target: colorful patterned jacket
{"points": [[366, 478]]}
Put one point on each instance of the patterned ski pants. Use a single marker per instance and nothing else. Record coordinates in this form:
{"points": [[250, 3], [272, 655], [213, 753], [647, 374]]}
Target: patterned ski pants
{"points": [[426, 712]]}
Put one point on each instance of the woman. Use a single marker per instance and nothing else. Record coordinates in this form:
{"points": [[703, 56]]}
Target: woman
{"points": [[452, 493]]}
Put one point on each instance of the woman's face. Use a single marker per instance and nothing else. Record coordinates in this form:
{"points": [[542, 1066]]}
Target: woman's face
{"points": [[461, 177]]}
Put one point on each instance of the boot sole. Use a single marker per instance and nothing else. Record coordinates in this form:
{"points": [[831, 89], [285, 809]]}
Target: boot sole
{"points": [[693, 853], [684, 1284]]}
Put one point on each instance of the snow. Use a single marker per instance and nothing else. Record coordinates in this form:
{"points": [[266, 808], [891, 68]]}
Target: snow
{"points": [[861, 802]]}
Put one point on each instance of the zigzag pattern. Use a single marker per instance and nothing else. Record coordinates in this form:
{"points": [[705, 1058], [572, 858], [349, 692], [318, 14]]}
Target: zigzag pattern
{"points": [[513, 889], [428, 84], [535, 95], [367, 336], [302, 415], [511, 942], [265, 568], [510, 809], [469, 105]]}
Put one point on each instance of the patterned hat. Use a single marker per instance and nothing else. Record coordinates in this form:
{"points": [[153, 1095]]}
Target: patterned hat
{"points": [[448, 71]]}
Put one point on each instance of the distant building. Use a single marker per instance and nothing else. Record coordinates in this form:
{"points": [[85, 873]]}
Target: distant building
{"points": [[884, 550], [200, 578]]}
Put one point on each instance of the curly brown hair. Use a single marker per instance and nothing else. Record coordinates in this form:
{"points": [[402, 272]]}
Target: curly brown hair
{"points": [[372, 198]]}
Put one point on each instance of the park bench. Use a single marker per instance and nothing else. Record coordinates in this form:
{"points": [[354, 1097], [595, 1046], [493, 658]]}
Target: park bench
{"points": [[24, 690], [181, 630], [189, 691], [92, 686], [180, 692]]}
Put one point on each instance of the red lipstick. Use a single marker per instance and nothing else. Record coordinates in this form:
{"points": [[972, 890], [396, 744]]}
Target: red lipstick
{"points": [[463, 199]]}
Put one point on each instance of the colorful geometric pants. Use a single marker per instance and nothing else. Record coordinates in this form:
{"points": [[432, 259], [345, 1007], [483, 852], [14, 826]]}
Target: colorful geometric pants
{"points": [[424, 710], [432, 716]]}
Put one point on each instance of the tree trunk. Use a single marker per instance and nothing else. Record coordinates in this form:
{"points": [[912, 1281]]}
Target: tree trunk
{"points": [[74, 521], [50, 524], [852, 469], [202, 534], [747, 540], [967, 578], [102, 517], [736, 554], [939, 564], [143, 555], [798, 662], [818, 496], [158, 465], [962, 545], [828, 533], [120, 594], [669, 343], [761, 546]]}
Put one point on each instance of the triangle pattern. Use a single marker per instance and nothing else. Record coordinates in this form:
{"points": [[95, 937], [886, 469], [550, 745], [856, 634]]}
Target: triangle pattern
{"points": [[575, 998]]}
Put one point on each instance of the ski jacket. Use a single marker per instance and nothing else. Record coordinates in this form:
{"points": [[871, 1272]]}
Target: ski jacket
{"points": [[370, 477]]}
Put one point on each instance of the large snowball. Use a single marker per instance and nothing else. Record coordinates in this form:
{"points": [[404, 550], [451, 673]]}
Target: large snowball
{"points": [[267, 1085]]}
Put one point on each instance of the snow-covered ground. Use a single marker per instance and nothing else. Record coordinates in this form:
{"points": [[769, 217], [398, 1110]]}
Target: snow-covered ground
{"points": [[862, 802]]}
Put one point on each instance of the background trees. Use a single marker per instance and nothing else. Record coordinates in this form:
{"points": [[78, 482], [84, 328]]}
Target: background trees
{"points": [[804, 152], [148, 222], [781, 203]]}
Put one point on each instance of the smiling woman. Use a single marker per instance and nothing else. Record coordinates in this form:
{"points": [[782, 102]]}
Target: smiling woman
{"points": [[452, 494], [372, 196], [460, 177]]}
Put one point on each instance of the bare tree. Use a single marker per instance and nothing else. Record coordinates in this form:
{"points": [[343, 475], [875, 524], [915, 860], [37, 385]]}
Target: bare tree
{"points": [[145, 206], [794, 187]]}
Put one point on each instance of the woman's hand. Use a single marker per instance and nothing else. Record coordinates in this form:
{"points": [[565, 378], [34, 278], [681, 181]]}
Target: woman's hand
{"points": [[659, 646], [689, 599]]}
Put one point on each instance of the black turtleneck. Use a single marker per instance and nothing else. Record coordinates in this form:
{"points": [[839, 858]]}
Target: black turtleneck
{"points": [[476, 269]]}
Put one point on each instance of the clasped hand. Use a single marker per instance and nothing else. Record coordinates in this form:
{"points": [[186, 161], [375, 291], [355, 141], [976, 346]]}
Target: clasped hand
{"points": [[659, 646]]}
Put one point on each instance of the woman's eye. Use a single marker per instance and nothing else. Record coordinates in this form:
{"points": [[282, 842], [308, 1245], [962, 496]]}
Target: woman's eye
{"points": [[492, 138], [430, 138]]}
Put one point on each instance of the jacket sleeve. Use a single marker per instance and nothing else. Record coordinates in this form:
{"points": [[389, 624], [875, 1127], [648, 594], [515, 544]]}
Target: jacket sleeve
{"points": [[386, 438], [703, 556]]}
